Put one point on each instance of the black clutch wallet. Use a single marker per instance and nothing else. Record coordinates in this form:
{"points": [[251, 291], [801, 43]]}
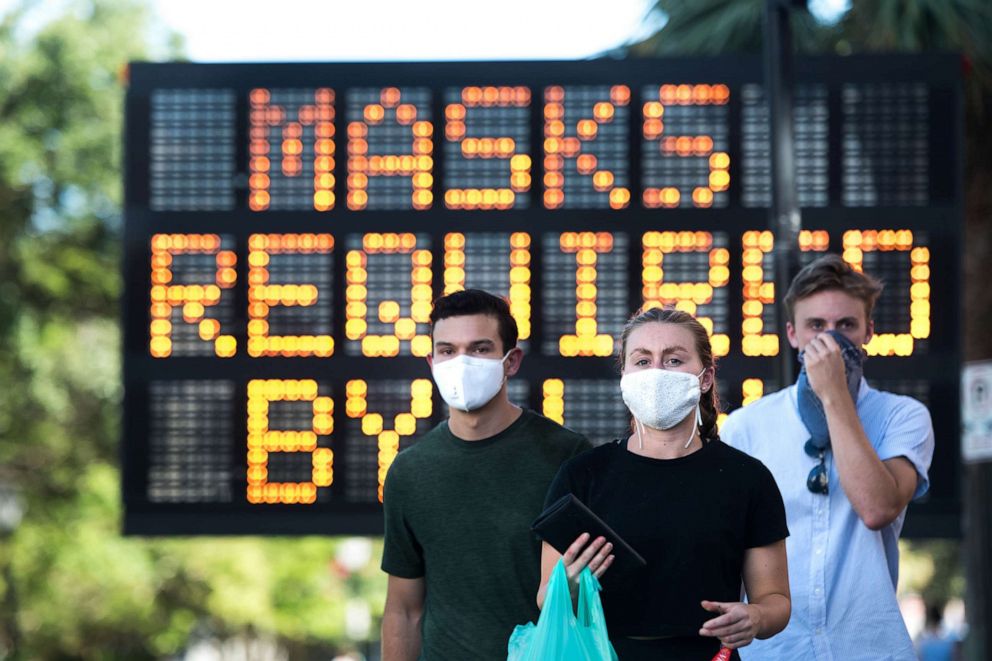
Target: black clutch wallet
{"points": [[567, 518]]}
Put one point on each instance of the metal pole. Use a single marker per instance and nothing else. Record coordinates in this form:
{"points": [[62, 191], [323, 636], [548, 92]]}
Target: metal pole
{"points": [[977, 545], [784, 220], [976, 427]]}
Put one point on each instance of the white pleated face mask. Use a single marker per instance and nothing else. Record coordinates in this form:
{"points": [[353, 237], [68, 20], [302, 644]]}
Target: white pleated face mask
{"points": [[661, 399], [468, 383]]}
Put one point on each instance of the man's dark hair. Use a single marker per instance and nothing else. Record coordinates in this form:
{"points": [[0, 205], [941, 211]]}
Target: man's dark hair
{"points": [[831, 273], [475, 301]]}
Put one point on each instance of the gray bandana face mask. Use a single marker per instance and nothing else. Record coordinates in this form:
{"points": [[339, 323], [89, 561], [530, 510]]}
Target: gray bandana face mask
{"points": [[811, 409]]}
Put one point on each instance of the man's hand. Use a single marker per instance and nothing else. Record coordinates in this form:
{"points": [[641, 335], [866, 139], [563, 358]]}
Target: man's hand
{"points": [[825, 367]]}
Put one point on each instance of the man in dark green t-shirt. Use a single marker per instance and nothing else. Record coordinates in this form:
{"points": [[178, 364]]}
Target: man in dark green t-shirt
{"points": [[463, 565]]}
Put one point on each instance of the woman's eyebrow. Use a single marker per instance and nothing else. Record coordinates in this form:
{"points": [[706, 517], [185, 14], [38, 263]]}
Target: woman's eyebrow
{"points": [[667, 350]]}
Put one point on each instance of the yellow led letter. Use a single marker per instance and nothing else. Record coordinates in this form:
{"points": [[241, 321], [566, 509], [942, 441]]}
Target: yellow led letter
{"points": [[686, 296], [758, 292], [404, 424], [553, 404], [519, 276], [586, 341], [856, 243], [262, 295], [421, 294], [262, 441]]}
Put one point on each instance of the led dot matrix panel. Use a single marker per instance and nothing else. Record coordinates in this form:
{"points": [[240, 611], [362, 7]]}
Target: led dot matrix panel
{"points": [[288, 226]]}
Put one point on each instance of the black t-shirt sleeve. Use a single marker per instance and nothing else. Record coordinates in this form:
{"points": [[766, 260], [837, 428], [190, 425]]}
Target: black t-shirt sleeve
{"points": [[766, 522], [582, 444], [402, 554], [560, 486]]}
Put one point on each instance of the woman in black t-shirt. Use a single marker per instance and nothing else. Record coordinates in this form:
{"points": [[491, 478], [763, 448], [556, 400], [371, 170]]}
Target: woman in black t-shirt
{"points": [[705, 516]]}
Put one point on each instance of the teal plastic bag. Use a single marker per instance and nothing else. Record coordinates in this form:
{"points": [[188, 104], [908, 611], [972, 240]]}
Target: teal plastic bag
{"points": [[559, 634]]}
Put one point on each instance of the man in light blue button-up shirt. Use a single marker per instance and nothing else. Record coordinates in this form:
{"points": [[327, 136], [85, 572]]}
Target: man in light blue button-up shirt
{"points": [[843, 553]]}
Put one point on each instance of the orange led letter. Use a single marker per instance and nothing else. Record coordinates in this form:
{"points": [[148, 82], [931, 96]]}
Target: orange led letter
{"points": [[305, 146], [192, 299], [566, 140], [672, 145], [389, 114], [475, 186]]}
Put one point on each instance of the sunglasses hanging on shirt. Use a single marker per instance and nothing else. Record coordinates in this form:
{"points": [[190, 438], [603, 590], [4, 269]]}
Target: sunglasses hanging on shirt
{"points": [[818, 480]]}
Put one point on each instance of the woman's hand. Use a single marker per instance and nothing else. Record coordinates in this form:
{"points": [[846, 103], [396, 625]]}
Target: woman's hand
{"points": [[581, 553], [736, 626]]}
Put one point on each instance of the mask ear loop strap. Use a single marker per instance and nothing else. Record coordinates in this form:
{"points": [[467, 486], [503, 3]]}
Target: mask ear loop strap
{"points": [[695, 428], [699, 419], [502, 362]]}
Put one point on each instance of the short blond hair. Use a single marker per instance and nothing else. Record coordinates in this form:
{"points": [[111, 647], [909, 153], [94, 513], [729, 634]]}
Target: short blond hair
{"points": [[832, 273]]}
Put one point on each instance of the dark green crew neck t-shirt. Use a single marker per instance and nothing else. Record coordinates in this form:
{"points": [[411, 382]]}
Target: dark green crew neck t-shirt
{"points": [[458, 514]]}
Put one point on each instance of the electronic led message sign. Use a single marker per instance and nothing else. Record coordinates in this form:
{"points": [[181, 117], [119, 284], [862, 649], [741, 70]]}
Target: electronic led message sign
{"points": [[288, 225]]}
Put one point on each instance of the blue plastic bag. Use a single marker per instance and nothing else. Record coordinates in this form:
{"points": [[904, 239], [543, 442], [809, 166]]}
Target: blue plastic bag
{"points": [[559, 634]]}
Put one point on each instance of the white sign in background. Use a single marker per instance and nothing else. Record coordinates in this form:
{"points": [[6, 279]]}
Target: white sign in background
{"points": [[976, 411]]}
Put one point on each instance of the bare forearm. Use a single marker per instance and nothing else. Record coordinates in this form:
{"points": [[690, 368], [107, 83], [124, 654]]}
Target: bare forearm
{"points": [[400, 637], [774, 612], [868, 484], [542, 592]]}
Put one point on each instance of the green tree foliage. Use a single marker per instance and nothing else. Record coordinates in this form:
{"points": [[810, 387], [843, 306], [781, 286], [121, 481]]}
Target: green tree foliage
{"points": [[80, 590], [920, 25], [714, 27]]}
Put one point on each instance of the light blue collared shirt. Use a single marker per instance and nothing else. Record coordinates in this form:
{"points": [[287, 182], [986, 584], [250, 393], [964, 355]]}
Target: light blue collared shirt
{"points": [[841, 573]]}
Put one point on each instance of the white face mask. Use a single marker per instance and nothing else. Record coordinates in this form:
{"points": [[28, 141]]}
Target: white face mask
{"points": [[467, 383], [661, 399]]}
